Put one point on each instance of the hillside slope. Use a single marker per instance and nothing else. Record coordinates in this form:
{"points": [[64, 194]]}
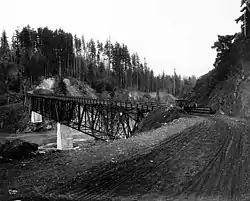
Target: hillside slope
{"points": [[73, 86], [232, 93]]}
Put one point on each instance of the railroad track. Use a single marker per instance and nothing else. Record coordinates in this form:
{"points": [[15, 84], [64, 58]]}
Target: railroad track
{"points": [[223, 173]]}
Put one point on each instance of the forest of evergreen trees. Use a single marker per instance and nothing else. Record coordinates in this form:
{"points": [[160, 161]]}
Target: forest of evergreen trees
{"points": [[103, 65], [230, 48]]}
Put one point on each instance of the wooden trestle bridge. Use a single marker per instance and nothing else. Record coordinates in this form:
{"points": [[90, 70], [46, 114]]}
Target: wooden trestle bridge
{"points": [[101, 119]]}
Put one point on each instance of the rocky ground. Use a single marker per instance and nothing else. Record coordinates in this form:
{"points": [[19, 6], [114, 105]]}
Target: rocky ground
{"points": [[206, 157]]}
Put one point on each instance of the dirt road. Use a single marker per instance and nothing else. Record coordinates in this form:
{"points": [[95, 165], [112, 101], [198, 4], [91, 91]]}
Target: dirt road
{"points": [[209, 160]]}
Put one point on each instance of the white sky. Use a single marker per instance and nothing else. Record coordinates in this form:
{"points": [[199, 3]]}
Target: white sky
{"points": [[170, 34]]}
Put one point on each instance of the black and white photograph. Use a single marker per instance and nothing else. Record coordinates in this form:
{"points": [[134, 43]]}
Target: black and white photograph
{"points": [[114, 100]]}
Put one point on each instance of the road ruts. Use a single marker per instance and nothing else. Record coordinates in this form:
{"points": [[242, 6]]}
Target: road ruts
{"points": [[207, 159], [165, 177], [223, 175], [151, 180], [136, 172]]}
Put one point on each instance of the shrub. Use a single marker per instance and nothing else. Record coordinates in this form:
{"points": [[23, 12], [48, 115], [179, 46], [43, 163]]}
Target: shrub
{"points": [[60, 87], [101, 86], [14, 117]]}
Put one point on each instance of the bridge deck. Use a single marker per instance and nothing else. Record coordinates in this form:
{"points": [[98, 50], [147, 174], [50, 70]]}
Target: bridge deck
{"points": [[150, 106]]}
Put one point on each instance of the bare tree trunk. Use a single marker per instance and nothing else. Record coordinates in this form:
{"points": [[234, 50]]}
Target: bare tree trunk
{"points": [[60, 68]]}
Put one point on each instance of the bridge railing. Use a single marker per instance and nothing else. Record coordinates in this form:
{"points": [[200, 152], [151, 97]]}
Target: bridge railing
{"points": [[83, 100]]}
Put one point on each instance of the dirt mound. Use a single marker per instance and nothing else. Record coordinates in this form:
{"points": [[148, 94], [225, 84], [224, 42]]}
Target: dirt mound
{"points": [[74, 87], [17, 149], [78, 88], [46, 85], [160, 116]]}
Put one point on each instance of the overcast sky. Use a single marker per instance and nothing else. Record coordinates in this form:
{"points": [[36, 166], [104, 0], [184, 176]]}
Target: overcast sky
{"points": [[170, 34]]}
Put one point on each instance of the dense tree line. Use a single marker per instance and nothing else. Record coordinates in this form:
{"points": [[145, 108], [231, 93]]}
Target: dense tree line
{"points": [[46, 53]]}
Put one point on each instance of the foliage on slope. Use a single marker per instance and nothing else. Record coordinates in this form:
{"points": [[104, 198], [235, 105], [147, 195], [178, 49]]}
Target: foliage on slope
{"points": [[12, 117], [226, 87], [160, 116]]}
